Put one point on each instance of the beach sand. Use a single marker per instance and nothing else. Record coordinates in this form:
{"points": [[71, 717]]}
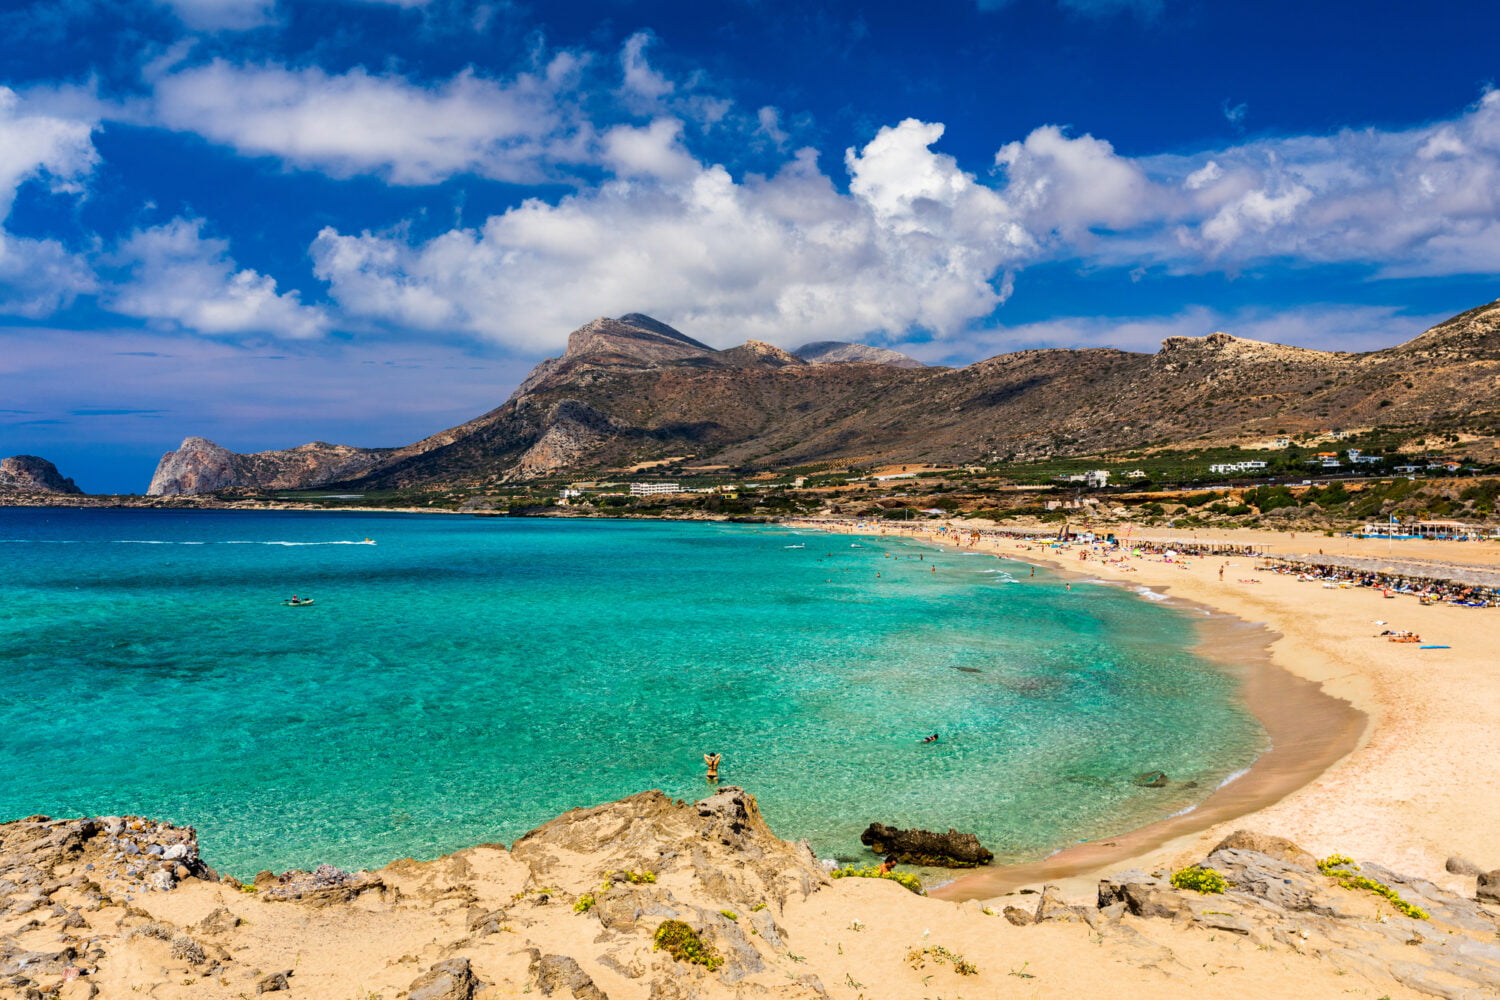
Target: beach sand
{"points": [[1407, 779]]}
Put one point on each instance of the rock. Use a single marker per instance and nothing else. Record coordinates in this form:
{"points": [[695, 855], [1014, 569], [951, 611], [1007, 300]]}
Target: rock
{"points": [[449, 980], [1488, 888], [1143, 895], [1263, 843], [160, 880], [175, 852], [29, 474], [273, 982], [1017, 916], [559, 973], [219, 921], [1152, 779], [924, 847], [1052, 906], [1462, 866]]}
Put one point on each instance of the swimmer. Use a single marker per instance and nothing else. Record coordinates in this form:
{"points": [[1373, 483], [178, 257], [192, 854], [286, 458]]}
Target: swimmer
{"points": [[888, 865], [930, 739], [712, 762]]}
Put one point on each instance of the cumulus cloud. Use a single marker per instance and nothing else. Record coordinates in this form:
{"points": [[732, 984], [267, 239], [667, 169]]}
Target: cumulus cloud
{"points": [[784, 258], [178, 278], [359, 122], [38, 276]]}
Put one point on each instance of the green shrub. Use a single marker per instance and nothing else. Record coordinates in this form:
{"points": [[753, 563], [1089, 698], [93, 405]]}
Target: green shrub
{"points": [[585, 903], [917, 957], [911, 882], [1335, 867], [1199, 879], [683, 943], [730, 914], [633, 877]]}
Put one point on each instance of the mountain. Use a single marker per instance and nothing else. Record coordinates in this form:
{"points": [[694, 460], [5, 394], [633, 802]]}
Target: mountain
{"points": [[200, 466], [837, 352], [29, 474], [632, 389]]}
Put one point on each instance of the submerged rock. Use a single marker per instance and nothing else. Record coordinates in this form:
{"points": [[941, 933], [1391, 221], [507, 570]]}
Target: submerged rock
{"points": [[925, 847], [1152, 779]]}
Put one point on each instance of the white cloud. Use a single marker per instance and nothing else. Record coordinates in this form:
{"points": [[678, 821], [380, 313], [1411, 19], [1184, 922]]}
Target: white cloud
{"points": [[59, 152], [641, 81], [179, 278], [785, 258], [358, 122], [223, 15], [38, 276]]}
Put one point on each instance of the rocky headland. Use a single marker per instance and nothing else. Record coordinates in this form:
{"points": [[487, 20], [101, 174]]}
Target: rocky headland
{"points": [[658, 899], [30, 474]]}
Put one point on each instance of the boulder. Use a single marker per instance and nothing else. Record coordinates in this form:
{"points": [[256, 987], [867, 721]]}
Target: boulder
{"points": [[449, 980], [1462, 866], [273, 982], [924, 847], [561, 974], [1488, 889], [1263, 843]]}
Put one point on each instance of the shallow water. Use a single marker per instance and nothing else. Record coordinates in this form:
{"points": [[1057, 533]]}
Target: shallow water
{"points": [[464, 680]]}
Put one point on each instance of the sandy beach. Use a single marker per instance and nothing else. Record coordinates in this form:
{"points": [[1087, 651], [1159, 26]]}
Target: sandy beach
{"points": [[1403, 777]]}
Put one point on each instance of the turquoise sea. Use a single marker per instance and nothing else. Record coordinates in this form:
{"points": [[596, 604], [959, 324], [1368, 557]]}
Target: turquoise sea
{"points": [[463, 680]]}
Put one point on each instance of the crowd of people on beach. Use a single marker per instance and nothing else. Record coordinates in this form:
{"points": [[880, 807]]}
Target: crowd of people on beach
{"points": [[1427, 590]]}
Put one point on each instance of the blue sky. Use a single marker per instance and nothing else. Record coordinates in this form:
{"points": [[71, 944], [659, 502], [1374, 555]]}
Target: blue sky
{"points": [[269, 222]]}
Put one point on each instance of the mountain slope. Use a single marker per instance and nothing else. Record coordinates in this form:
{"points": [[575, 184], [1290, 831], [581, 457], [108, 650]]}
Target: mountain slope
{"points": [[632, 389], [836, 352]]}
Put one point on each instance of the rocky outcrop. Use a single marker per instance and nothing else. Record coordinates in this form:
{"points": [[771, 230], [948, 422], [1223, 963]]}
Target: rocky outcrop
{"points": [[758, 354], [30, 474], [1446, 947], [924, 847], [201, 466], [837, 352], [575, 910]]}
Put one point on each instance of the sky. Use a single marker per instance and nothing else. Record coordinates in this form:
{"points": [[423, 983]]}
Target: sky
{"points": [[269, 222]]}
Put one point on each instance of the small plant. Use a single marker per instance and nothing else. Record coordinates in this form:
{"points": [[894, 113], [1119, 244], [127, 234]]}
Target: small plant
{"points": [[646, 877], [911, 882], [730, 914], [1335, 867], [680, 941], [585, 903], [1021, 973], [1200, 879], [917, 957], [757, 907]]}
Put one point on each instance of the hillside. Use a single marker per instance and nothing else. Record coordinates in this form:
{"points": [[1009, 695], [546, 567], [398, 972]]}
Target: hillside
{"points": [[632, 390]]}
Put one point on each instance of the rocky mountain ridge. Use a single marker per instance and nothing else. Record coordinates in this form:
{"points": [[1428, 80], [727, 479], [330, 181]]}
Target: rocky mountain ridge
{"points": [[30, 474], [633, 390]]}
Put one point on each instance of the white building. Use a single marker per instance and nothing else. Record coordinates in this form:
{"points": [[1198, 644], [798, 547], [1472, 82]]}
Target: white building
{"points": [[652, 489], [1228, 468], [1097, 478]]}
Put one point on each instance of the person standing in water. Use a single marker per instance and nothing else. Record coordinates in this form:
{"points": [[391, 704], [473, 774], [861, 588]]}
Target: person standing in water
{"points": [[711, 760]]}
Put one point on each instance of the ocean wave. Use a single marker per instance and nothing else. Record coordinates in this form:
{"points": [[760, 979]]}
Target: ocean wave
{"points": [[1235, 776], [1183, 811], [1151, 595]]}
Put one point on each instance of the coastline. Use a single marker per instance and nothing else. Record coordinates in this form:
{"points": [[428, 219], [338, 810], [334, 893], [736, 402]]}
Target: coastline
{"points": [[1362, 761]]}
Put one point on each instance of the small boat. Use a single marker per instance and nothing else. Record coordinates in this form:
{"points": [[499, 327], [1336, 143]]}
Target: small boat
{"points": [[296, 602], [794, 546]]}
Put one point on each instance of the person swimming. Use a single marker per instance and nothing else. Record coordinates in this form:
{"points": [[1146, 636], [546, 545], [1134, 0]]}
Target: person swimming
{"points": [[930, 739], [711, 760]]}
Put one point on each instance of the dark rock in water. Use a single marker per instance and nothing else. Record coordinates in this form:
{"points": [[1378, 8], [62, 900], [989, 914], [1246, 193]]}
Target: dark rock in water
{"points": [[1152, 779], [924, 847], [1489, 887]]}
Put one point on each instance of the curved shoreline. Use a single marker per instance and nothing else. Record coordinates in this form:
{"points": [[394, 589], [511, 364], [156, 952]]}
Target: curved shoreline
{"points": [[1309, 731]]}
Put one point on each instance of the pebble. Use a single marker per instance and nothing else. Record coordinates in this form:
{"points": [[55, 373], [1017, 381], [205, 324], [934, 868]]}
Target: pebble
{"points": [[155, 850]]}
